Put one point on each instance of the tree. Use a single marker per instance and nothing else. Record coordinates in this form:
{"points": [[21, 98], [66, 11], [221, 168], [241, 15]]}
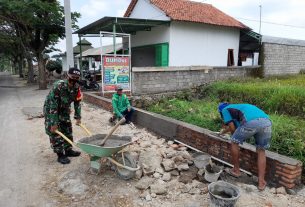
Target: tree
{"points": [[40, 24], [10, 46], [54, 65]]}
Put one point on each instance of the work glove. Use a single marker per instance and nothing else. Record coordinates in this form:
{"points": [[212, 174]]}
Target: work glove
{"points": [[78, 121], [53, 128]]}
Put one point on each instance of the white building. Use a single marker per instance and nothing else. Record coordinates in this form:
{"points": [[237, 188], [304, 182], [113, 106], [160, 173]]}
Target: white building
{"points": [[198, 34], [180, 33]]}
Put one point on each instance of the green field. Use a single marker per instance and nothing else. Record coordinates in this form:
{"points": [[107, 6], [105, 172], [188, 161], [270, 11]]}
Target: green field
{"points": [[283, 99], [281, 96]]}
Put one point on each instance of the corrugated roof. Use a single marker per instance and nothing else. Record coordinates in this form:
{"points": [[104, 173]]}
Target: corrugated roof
{"points": [[84, 42], [283, 41], [108, 49], [85, 46], [183, 10], [125, 25]]}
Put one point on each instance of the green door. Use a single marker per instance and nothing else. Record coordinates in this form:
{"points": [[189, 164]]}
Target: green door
{"points": [[161, 54]]}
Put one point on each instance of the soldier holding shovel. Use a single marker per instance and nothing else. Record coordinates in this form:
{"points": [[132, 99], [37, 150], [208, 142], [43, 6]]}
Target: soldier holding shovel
{"points": [[57, 109]]}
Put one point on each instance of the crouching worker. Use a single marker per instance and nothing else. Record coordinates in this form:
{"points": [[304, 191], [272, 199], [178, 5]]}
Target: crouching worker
{"points": [[121, 106], [57, 108], [245, 121]]}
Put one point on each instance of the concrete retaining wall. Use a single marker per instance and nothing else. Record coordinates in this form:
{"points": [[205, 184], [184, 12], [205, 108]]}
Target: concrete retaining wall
{"points": [[281, 170], [159, 80]]}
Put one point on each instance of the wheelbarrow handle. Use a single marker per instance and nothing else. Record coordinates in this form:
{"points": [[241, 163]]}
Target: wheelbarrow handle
{"points": [[86, 130], [123, 166], [65, 138]]}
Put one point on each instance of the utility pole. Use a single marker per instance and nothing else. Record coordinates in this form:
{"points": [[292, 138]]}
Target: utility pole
{"points": [[68, 28], [260, 18]]}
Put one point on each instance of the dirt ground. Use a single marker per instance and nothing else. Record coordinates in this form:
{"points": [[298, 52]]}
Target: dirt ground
{"points": [[30, 175]]}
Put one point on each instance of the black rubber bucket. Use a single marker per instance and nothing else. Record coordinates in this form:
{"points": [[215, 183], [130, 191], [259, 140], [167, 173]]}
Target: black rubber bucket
{"points": [[223, 194]]}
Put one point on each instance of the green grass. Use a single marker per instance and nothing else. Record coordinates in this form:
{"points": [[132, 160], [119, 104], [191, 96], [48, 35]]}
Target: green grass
{"points": [[197, 112], [282, 98]]}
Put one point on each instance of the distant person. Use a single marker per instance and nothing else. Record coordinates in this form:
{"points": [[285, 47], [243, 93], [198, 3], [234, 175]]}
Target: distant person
{"points": [[121, 106], [57, 109], [245, 121]]}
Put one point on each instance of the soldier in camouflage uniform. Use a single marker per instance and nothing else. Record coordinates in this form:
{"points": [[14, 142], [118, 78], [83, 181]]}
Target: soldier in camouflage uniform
{"points": [[57, 109]]}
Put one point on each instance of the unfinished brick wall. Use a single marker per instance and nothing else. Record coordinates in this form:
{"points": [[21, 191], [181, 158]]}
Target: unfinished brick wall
{"points": [[98, 100], [280, 171]]}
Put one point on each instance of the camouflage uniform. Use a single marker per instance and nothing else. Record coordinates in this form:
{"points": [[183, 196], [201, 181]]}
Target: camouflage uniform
{"points": [[57, 109]]}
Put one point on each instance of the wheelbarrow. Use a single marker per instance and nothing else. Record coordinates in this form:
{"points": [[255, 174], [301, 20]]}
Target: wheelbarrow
{"points": [[124, 163]]}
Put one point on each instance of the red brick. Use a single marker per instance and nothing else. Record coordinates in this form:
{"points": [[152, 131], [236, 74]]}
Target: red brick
{"points": [[287, 180], [287, 185], [289, 176], [291, 167], [299, 170]]}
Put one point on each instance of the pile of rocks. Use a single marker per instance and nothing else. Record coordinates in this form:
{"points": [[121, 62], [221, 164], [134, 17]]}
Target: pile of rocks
{"points": [[166, 168]]}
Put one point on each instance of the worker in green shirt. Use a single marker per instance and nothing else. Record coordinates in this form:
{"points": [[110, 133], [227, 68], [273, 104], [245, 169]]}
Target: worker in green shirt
{"points": [[121, 106]]}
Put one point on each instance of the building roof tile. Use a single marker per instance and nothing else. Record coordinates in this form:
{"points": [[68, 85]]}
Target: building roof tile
{"points": [[184, 10]]}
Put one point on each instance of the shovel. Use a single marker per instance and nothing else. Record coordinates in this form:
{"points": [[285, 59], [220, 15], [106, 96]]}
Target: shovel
{"points": [[112, 130]]}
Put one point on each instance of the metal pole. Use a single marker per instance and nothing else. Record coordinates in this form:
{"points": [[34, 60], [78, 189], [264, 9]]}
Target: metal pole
{"points": [[215, 158], [68, 30], [114, 38], [260, 18], [130, 69], [80, 57], [102, 66]]}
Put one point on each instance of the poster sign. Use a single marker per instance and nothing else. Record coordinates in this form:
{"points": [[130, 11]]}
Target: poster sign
{"points": [[116, 72]]}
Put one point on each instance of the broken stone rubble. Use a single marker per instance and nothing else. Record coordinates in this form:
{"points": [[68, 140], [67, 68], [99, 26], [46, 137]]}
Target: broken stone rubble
{"points": [[173, 171], [164, 166]]}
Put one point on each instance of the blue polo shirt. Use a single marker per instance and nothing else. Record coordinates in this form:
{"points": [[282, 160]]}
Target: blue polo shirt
{"points": [[242, 113]]}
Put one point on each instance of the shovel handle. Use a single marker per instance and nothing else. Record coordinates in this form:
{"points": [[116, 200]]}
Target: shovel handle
{"points": [[65, 138], [112, 130], [86, 130]]}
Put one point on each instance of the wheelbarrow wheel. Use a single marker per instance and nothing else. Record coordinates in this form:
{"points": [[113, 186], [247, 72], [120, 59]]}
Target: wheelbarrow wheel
{"points": [[129, 161]]}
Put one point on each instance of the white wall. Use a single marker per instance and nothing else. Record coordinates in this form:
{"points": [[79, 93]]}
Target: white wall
{"points": [[145, 10], [157, 35], [251, 61], [201, 44]]}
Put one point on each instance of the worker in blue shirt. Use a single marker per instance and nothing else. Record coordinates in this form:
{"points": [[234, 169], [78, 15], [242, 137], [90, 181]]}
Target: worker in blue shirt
{"points": [[245, 121]]}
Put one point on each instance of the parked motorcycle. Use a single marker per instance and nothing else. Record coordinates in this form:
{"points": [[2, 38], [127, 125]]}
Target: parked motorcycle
{"points": [[88, 83]]}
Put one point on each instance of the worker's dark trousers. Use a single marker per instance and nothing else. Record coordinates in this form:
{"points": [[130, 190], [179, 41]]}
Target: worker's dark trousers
{"points": [[128, 114]]}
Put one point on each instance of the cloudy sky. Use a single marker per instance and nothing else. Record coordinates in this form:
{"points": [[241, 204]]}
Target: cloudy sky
{"points": [[281, 18]]}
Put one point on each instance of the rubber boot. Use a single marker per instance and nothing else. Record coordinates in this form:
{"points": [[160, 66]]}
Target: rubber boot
{"points": [[63, 159], [72, 153]]}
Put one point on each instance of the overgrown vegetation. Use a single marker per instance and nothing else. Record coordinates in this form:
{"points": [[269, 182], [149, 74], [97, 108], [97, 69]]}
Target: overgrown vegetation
{"points": [[275, 95], [283, 99]]}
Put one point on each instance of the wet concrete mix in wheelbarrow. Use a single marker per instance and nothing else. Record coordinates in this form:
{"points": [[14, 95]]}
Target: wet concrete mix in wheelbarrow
{"points": [[170, 174], [112, 141]]}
